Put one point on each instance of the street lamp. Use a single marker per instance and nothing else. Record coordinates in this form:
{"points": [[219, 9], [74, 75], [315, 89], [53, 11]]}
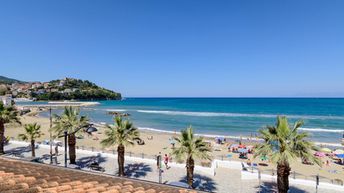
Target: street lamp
{"points": [[159, 159], [51, 141], [65, 139]]}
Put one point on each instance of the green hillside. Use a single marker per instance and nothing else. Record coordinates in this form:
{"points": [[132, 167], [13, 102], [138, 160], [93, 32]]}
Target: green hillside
{"points": [[62, 89], [5, 80], [74, 89]]}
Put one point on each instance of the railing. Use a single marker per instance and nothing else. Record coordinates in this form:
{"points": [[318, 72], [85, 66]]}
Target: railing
{"points": [[295, 175], [272, 172]]}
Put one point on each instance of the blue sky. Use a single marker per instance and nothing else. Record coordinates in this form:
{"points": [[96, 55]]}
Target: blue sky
{"points": [[179, 47]]}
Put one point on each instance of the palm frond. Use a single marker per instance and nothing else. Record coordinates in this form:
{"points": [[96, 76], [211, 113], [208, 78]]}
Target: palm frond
{"points": [[70, 121], [284, 144], [121, 133], [190, 146], [8, 114], [32, 132]]}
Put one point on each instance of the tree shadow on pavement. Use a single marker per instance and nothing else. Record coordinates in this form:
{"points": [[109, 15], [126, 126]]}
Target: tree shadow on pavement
{"points": [[270, 187], [137, 170], [18, 151], [202, 182], [86, 161]]}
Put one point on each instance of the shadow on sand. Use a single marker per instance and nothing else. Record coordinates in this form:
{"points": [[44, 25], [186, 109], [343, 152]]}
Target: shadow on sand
{"points": [[137, 170], [270, 187], [203, 183]]}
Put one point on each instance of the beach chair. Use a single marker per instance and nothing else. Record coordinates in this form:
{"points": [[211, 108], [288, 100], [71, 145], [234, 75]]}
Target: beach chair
{"points": [[140, 142], [96, 167]]}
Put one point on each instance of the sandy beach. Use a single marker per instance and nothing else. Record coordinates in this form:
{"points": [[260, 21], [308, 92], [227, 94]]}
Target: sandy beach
{"points": [[160, 143]]}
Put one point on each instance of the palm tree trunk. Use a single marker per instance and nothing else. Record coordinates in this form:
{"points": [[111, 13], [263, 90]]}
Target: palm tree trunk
{"points": [[190, 165], [71, 145], [283, 171], [2, 136], [120, 152], [33, 148]]}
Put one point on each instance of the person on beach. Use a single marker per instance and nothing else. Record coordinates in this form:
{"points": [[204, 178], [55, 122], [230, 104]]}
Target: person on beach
{"points": [[166, 158], [249, 162], [172, 142]]}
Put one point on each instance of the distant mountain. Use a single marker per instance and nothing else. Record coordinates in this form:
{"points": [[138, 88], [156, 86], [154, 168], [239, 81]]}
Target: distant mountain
{"points": [[5, 80]]}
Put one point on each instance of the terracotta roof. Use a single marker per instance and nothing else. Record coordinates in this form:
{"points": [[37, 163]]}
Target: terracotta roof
{"points": [[25, 177]]}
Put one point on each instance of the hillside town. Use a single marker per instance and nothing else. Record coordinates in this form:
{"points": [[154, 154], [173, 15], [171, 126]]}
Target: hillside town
{"points": [[27, 89], [63, 89]]}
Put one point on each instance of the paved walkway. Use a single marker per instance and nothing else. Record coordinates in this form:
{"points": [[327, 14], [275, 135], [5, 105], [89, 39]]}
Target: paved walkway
{"points": [[226, 180]]}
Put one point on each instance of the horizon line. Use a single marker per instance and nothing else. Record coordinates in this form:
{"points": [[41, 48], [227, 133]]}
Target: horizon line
{"points": [[253, 97]]}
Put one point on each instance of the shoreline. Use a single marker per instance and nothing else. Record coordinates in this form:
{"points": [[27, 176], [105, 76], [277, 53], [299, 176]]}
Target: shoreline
{"points": [[58, 104], [243, 138], [333, 135], [212, 136]]}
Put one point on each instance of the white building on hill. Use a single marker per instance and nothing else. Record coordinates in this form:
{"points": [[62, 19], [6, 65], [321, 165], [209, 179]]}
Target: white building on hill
{"points": [[6, 100]]}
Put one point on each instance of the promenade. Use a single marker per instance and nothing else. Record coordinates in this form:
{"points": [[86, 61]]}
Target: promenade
{"points": [[223, 177]]}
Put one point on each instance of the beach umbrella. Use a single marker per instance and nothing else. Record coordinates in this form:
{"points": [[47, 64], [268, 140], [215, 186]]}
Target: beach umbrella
{"points": [[264, 158], [172, 141], [325, 150], [241, 146], [339, 151], [319, 154], [341, 156], [241, 150]]}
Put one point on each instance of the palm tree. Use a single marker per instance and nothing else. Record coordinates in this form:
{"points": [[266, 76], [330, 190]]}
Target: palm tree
{"points": [[71, 122], [284, 144], [122, 134], [190, 147], [32, 132], [8, 114]]}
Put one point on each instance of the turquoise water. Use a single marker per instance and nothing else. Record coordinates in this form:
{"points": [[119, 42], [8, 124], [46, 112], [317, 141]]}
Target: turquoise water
{"points": [[324, 118]]}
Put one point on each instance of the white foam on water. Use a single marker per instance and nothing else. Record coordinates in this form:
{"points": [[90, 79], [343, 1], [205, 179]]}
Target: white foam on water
{"points": [[116, 110], [323, 130], [197, 134], [156, 130], [216, 114]]}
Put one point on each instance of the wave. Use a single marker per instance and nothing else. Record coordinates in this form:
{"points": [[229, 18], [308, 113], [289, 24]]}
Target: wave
{"points": [[204, 114], [156, 130], [323, 130], [116, 110], [214, 114], [203, 135]]}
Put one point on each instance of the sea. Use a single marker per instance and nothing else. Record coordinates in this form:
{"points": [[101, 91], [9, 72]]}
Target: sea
{"points": [[323, 117]]}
